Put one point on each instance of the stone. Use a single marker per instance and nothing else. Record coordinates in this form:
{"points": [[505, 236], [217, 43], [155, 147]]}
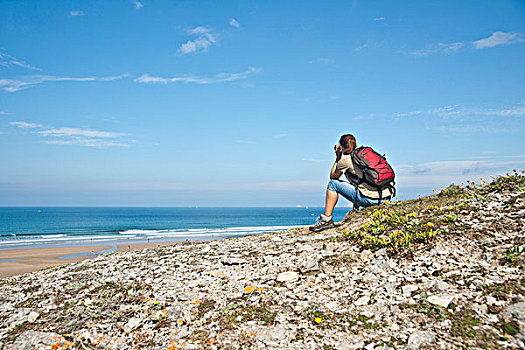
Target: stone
{"points": [[362, 301], [342, 345], [289, 276], [408, 289], [421, 339], [218, 274], [30, 340], [442, 300], [514, 312], [310, 265], [234, 261], [380, 252], [439, 286], [32, 316], [370, 346], [332, 306], [132, 324]]}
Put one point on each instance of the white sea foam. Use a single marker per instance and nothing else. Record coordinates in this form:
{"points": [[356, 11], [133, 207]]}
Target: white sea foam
{"points": [[193, 232], [138, 234]]}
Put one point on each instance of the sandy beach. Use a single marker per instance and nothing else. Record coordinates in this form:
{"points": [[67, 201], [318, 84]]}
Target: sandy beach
{"points": [[33, 259]]}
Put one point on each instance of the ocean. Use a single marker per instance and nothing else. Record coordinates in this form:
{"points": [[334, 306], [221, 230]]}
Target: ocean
{"points": [[32, 227]]}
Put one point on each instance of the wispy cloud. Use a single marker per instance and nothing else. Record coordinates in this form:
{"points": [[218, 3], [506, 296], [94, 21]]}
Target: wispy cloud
{"points": [[440, 111], [360, 47], [24, 125], [378, 19], [8, 60], [289, 186], [12, 85], [368, 45], [74, 136], [497, 39], [218, 78], [205, 38], [76, 13], [468, 166], [280, 136], [443, 172], [455, 110], [137, 4], [314, 160], [234, 23], [439, 48], [245, 142], [321, 60], [77, 132]]}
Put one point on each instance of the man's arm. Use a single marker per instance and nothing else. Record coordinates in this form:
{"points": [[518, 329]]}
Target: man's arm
{"points": [[334, 173]]}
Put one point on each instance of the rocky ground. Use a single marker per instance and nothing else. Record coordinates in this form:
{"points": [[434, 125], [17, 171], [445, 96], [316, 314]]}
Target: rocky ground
{"points": [[440, 272]]}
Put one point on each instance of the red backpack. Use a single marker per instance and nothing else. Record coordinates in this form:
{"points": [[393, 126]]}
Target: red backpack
{"points": [[376, 170]]}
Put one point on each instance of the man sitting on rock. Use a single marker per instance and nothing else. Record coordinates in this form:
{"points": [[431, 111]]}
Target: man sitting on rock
{"points": [[362, 195]]}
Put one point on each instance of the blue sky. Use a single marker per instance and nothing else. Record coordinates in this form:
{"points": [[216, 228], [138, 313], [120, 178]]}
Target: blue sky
{"points": [[239, 103]]}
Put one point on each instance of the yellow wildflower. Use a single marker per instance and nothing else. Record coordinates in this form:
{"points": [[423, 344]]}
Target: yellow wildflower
{"points": [[318, 320]]}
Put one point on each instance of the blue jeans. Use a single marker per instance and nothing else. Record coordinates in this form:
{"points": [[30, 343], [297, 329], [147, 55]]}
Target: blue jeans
{"points": [[350, 192]]}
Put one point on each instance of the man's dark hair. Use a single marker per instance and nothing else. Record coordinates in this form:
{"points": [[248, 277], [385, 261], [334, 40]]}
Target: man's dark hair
{"points": [[348, 141]]}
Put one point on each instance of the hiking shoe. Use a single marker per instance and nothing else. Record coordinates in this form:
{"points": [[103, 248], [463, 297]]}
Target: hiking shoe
{"points": [[321, 225]]}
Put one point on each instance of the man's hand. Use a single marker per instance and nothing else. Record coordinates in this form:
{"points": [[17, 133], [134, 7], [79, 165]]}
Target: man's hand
{"points": [[338, 152]]}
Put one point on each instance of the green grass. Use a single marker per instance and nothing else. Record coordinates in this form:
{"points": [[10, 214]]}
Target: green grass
{"points": [[403, 227]]}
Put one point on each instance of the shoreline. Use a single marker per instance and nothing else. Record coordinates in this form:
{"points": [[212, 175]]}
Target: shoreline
{"points": [[20, 261]]}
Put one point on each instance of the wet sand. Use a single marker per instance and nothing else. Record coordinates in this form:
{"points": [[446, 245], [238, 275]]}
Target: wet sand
{"points": [[34, 259]]}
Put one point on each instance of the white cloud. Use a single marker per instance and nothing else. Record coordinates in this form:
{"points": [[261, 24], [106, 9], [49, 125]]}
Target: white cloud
{"points": [[24, 125], [70, 132], [467, 167], [455, 110], [138, 5], [280, 136], [439, 48], [440, 111], [360, 47], [498, 38], [435, 174], [379, 19], [8, 60], [234, 23], [205, 38], [246, 142], [76, 13], [510, 112], [74, 136], [12, 85], [314, 160], [218, 78], [321, 60], [87, 142], [290, 186]]}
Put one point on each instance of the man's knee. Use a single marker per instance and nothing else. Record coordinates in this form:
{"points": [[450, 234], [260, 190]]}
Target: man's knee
{"points": [[332, 185]]}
